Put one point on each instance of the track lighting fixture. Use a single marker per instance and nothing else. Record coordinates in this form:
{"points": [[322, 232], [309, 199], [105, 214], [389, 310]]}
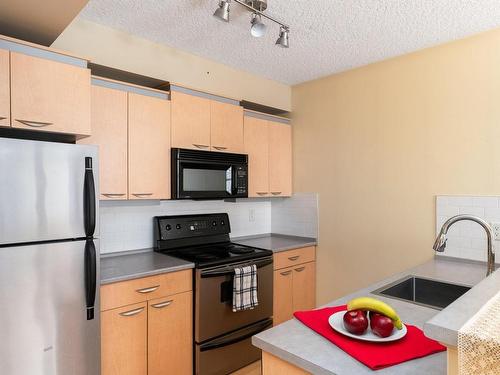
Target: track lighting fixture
{"points": [[258, 28]]}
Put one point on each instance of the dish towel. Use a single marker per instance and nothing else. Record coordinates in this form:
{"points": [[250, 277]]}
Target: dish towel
{"points": [[374, 355], [245, 288]]}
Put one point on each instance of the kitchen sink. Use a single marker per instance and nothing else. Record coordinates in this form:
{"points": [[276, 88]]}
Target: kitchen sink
{"points": [[425, 292]]}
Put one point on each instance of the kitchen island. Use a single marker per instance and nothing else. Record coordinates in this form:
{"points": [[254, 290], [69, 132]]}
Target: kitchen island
{"points": [[293, 348]]}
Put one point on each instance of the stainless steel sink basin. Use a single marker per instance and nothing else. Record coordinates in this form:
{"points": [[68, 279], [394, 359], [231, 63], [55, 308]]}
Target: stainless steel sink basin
{"points": [[425, 292]]}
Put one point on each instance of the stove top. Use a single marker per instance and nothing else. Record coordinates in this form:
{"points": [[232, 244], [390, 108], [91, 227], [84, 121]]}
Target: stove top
{"points": [[218, 253]]}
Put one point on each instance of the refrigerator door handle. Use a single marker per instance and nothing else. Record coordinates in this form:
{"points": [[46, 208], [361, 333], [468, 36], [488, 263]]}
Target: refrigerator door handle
{"points": [[89, 199], [90, 277]]}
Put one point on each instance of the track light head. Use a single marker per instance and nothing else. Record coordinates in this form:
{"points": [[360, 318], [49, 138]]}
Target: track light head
{"points": [[258, 28], [283, 38], [222, 12]]}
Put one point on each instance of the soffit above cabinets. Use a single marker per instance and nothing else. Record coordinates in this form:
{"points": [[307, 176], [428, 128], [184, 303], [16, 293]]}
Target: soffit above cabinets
{"points": [[37, 21]]}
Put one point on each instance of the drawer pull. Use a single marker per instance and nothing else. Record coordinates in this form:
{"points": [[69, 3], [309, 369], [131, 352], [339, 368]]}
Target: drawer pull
{"points": [[147, 290], [294, 258], [260, 193], [200, 146], [300, 269], [276, 192], [286, 273], [142, 194], [132, 312], [220, 148], [162, 304], [111, 195], [34, 124], [2, 118]]}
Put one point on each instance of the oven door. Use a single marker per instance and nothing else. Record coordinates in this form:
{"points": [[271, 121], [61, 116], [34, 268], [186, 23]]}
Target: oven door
{"points": [[214, 314]]}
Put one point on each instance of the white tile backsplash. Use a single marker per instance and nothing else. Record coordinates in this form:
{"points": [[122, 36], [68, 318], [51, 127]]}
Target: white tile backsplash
{"points": [[467, 239], [296, 216]]}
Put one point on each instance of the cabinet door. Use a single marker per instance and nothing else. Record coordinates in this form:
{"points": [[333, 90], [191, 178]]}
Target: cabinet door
{"points": [[280, 159], [190, 121], [304, 290], [109, 132], [4, 88], [256, 139], [124, 340], [49, 96], [226, 127], [283, 295], [148, 147], [170, 335]]}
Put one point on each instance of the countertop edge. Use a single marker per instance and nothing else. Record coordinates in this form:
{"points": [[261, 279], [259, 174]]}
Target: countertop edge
{"points": [[139, 275], [299, 242]]}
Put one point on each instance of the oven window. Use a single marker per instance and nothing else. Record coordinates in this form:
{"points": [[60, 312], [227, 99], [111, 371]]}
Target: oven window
{"points": [[201, 179]]}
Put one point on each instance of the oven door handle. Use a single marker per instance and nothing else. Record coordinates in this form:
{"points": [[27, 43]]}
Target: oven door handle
{"points": [[217, 272], [233, 339]]}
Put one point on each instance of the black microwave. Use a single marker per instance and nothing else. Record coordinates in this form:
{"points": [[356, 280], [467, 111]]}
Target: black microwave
{"points": [[208, 175]]}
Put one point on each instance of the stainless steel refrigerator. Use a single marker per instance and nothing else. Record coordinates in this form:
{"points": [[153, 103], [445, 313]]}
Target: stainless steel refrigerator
{"points": [[49, 259]]}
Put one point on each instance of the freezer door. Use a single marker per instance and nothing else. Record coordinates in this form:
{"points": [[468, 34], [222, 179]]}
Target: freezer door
{"points": [[44, 292], [46, 191]]}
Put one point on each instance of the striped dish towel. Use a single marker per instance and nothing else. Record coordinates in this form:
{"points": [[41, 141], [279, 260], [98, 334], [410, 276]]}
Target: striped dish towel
{"points": [[245, 288]]}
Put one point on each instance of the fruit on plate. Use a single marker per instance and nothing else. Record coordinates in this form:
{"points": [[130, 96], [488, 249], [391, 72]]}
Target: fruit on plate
{"points": [[381, 325], [375, 305], [355, 321]]}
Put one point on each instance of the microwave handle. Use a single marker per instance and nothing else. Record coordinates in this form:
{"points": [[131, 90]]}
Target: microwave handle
{"points": [[227, 271]]}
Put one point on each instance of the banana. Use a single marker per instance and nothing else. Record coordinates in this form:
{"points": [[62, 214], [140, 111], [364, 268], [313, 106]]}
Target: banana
{"points": [[372, 304]]}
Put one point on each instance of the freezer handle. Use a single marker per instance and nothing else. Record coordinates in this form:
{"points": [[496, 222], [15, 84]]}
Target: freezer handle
{"points": [[90, 277], [89, 199]]}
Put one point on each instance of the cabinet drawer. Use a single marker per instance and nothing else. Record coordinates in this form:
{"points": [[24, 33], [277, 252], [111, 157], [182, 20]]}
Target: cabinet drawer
{"points": [[290, 258], [144, 289]]}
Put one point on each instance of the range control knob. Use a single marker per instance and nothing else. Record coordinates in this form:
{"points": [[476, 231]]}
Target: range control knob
{"points": [[168, 227], [178, 226], [214, 223], [222, 222]]}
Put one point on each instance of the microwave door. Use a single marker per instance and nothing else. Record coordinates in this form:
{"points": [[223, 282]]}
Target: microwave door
{"points": [[205, 180]]}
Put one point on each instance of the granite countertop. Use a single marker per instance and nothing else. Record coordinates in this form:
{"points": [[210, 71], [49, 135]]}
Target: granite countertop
{"points": [[275, 242], [295, 343], [128, 265]]}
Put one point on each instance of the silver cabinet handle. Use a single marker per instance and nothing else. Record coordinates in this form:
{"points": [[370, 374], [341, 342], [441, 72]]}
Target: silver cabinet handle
{"points": [[111, 195], [142, 194], [276, 192], [34, 124], [294, 258], [200, 146], [261, 193], [220, 148], [132, 312], [286, 273], [147, 290], [162, 304], [300, 269]]}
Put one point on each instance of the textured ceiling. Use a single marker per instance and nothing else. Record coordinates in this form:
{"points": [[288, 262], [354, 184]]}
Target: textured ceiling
{"points": [[327, 36]]}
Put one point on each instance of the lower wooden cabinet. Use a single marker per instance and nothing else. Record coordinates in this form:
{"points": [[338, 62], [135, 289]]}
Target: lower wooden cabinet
{"points": [[294, 286]]}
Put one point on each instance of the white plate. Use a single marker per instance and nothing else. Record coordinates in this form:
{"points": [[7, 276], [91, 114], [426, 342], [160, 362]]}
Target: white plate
{"points": [[337, 323]]}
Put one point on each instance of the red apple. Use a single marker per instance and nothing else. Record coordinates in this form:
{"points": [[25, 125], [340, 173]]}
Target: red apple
{"points": [[381, 325], [355, 321]]}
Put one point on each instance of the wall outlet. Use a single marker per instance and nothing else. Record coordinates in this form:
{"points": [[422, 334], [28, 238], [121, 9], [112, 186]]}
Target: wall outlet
{"points": [[251, 215], [495, 226]]}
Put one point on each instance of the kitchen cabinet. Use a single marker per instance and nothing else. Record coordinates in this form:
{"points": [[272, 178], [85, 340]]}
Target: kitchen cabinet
{"points": [[124, 340], [147, 325], [48, 95], [226, 132], [190, 121], [269, 148], [4, 88], [294, 282], [109, 131], [170, 346], [148, 147], [201, 123]]}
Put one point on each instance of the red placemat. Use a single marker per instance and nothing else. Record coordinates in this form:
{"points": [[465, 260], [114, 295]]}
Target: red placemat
{"points": [[374, 355]]}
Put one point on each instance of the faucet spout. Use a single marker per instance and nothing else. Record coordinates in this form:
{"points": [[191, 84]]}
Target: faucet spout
{"points": [[440, 243]]}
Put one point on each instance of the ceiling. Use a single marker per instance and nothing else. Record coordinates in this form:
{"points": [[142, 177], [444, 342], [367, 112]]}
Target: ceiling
{"points": [[327, 36]]}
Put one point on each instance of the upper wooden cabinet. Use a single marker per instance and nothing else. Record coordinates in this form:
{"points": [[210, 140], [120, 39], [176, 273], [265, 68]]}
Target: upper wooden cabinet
{"points": [[256, 139], [48, 95], [203, 124], [226, 133], [4, 88], [269, 148], [148, 147], [109, 131], [190, 121]]}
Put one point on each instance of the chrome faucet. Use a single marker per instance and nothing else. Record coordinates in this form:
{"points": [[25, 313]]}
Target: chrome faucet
{"points": [[440, 243]]}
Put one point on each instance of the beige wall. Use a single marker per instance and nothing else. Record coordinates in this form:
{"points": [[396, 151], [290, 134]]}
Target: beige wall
{"points": [[378, 143], [110, 47]]}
